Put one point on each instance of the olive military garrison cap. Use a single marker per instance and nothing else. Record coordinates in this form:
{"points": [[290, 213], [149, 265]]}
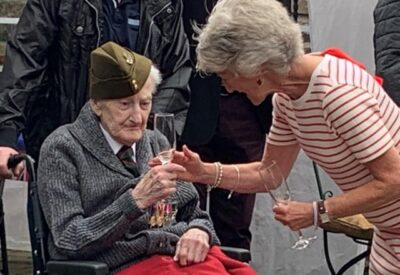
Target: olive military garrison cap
{"points": [[117, 72]]}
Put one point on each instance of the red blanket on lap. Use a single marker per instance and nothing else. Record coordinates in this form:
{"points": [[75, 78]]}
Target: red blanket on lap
{"points": [[216, 263]]}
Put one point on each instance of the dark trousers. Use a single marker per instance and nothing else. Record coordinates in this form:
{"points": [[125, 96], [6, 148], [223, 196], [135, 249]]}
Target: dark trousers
{"points": [[238, 139]]}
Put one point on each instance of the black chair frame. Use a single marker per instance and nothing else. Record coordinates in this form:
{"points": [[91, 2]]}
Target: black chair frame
{"points": [[4, 256], [364, 255]]}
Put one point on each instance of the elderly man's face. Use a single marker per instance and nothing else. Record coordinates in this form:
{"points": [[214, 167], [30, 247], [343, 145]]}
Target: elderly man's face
{"points": [[125, 119]]}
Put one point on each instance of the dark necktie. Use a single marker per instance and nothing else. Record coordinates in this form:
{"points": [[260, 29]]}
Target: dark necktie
{"points": [[125, 154]]}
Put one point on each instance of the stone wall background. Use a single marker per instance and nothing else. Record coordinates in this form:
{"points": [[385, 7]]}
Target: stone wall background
{"points": [[8, 8]]}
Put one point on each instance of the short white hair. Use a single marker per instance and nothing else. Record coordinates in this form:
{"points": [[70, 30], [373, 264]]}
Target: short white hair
{"points": [[244, 36], [155, 76]]}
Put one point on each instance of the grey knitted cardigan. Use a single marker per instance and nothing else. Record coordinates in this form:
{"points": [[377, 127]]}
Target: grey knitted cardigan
{"points": [[85, 194]]}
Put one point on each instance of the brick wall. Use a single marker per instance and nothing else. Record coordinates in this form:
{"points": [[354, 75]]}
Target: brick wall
{"points": [[8, 8]]}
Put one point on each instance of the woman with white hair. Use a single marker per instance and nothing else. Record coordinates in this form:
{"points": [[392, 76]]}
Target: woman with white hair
{"points": [[325, 103]]}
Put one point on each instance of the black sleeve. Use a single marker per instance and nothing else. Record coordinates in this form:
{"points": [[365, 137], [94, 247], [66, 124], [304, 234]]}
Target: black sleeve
{"points": [[25, 65], [387, 46], [173, 95]]}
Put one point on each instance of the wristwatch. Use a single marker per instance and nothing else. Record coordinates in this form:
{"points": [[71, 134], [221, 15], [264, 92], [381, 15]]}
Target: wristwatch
{"points": [[323, 214]]}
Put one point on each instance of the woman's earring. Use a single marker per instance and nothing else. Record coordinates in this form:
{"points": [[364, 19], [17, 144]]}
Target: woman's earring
{"points": [[259, 82]]}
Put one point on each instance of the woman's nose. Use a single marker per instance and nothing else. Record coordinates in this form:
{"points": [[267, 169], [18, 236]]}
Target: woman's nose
{"points": [[228, 88]]}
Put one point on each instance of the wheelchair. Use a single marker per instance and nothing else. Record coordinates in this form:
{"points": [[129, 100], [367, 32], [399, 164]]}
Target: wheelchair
{"points": [[43, 265]]}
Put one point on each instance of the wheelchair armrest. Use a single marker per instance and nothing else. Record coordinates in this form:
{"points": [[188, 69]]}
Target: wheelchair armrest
{"points": [[239, 254], [77, 267]]}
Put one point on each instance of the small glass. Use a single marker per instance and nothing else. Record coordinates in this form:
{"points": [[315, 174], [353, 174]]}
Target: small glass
{"points": [[163, 212], [276, 185], [164, 124]]}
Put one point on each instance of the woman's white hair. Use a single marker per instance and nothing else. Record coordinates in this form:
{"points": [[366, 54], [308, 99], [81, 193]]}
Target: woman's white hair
{"points": [[244, 36], [155, 75]]}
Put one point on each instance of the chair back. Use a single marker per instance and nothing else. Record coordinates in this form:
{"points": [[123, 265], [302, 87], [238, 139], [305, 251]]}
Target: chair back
{"points": [[37, 223], [38, 230], [350, 226]]}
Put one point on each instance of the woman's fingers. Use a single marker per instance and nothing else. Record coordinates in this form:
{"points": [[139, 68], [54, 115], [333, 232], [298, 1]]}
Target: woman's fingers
{"points": [[294, 214], [167, 172], [154, 162], [173, 167], [179, 157], [188, 153]]}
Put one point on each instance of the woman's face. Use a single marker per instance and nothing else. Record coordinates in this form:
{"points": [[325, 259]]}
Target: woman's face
{"points": [[126, 119], [257, 88]]}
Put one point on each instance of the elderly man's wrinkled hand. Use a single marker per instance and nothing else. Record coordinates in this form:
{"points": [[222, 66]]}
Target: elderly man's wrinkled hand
{"points": [[296, 215], [158, 183], [5, 173], [192, 247]]}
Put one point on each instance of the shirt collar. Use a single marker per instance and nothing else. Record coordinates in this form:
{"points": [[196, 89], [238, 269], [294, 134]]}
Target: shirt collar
{"points": [[115, 145]]}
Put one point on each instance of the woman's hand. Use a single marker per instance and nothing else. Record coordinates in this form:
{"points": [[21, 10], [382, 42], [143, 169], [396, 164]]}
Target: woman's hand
{"points": [[192, 163], [296, 215], [192, 247], [158, 183], [188, 159]]}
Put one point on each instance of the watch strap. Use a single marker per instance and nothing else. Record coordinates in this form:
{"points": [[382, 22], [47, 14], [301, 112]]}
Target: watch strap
{"points": [[323, 213]]}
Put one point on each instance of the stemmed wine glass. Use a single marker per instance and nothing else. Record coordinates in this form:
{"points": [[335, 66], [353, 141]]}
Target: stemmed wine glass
{"points": [[164, 125], [163, 212], [276, 185]]}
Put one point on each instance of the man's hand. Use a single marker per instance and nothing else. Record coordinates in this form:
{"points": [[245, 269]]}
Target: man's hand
{"points": [[5, 173], [192, 247], [158, 183]]}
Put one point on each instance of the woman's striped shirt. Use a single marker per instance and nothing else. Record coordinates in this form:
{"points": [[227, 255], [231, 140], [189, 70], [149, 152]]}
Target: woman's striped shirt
{"points": [[344, 120]]}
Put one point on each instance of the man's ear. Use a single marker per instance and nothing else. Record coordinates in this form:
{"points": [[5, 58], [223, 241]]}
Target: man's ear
{"points": [[96, 106]]}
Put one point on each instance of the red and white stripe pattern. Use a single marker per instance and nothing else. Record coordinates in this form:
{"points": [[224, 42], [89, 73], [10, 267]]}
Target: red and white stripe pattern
{"points": [[343, 120]]}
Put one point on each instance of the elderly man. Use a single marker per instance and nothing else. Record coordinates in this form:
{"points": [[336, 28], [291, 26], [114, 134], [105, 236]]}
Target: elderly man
{"points": [[96, 187]]}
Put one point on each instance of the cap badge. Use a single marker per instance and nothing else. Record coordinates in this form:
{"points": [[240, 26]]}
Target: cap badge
{"points": [[134, 84], [129, 59]]}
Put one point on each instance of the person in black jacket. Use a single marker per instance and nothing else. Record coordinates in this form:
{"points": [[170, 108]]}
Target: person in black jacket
{"points": [[387, 46], [223, 127], [46, 65]]}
